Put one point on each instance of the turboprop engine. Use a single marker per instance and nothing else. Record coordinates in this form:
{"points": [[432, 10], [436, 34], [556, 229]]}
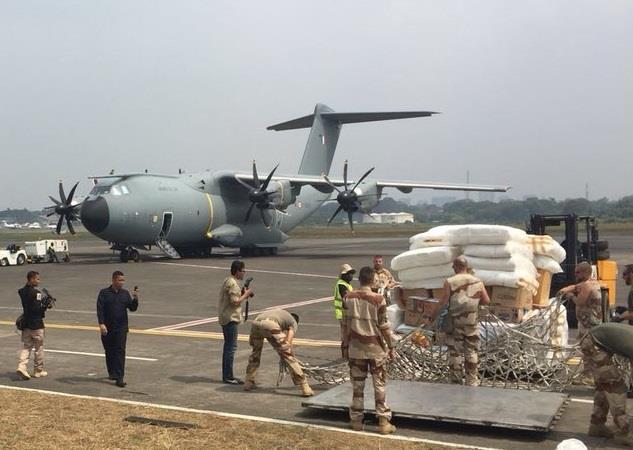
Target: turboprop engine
{"points": [[281, 194]]}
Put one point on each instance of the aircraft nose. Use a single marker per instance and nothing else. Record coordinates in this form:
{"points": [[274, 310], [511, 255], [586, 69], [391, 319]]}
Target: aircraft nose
{"points": [[95, 215]]}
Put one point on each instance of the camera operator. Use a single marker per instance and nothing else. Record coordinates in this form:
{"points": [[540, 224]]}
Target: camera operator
{"points": [[230, 312], [112, 305], [35, 302]]}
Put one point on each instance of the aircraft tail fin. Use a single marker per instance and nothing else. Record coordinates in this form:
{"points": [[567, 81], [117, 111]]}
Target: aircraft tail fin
{"points": [[326, 126]]}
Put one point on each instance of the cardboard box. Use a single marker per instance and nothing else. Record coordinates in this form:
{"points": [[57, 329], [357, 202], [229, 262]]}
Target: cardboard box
{"points": [[431, 307], [507, 297], [541, 298], [413, 319], [405, 300], [512, 315]]}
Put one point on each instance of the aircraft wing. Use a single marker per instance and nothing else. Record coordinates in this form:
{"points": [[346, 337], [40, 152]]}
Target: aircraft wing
{"points": [[406, 187]]}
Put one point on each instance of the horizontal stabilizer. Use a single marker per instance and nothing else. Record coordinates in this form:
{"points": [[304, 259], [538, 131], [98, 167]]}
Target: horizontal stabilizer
{"points": [[353, 117]]}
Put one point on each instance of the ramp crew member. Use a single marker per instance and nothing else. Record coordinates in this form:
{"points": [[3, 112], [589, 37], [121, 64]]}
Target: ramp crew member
{"points": [[599, 345], [341, 288], [627, 276], [112, 305], [279, 328], [367, 345], [34, 305], [230, 315], [586, 295], [384, 278], [52, 254], [463, 292]]}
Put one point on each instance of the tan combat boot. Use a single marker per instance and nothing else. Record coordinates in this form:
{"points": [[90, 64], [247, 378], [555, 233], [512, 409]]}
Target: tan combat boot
{"points": [[40, 373], [356, 425], [600, 430], [306, 390], [624, 439], [249, 385], [384, 426], [23, 374]]}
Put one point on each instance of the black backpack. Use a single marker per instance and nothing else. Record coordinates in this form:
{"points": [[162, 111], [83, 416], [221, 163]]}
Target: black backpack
{"points": [[20, 322]]}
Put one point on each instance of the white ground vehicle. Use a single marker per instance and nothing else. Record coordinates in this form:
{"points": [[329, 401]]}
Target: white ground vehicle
{"points": [[12, 256], [40, 251]]}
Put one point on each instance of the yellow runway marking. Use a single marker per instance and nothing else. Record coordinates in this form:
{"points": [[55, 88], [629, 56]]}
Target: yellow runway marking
{"points": [[182, 333]]}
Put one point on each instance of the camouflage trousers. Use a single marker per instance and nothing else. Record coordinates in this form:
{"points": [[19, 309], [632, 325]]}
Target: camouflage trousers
{"points": [[463, 348], [358, 369], [610, 390], [587, 363], [277, 339]]}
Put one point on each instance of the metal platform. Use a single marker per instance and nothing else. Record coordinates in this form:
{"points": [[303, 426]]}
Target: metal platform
{"points": [[491, 407]]}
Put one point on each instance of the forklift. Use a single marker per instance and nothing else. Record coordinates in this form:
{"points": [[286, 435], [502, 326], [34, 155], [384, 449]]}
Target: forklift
{"points": [[581, 243]]}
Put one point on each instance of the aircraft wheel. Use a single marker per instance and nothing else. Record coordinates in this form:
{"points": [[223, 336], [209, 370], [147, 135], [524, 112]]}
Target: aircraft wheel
{"points": [[273, 250], [4, 262], [21, 260], [246, 251], [124, 256], [135, 255]]}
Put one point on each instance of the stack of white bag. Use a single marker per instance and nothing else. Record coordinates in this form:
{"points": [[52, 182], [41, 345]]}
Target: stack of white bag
{"points": [[499, 255]]}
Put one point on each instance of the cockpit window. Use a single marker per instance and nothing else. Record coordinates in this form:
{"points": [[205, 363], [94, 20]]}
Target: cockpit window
{"points": [[99, 190]]}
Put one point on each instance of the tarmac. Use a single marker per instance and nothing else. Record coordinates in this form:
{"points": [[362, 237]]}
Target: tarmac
{"points": [[175, 343]]}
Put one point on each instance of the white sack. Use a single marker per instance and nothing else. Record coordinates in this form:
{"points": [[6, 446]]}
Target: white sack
{"points": [[509, 279], [424, 272], [395, 316], [431, 256], [546, 263], [466, 235], [506, 250], [426, 283], [516, 263], [545, 245]]}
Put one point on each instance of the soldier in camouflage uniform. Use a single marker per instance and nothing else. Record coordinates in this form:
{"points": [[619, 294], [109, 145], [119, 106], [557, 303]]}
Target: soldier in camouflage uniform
{"points": [[279, 328], [463, 292], [367, 345], [588, 299], [599, 345]]}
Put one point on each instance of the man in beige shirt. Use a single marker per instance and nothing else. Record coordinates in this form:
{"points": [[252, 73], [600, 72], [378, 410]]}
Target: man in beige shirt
{"points": [[230, 315], [367, 344]]}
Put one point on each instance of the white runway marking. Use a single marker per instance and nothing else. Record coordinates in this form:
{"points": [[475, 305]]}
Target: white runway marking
{"points": [[100, 355], [193, 323], [581, 400], [94, 313], [276, 272], [253, 418]]}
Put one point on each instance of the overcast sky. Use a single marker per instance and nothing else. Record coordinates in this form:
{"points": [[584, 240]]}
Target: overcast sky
{"points": [[535, 94]]}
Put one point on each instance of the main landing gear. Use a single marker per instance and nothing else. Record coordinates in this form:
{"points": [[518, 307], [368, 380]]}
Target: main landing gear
{"points": [[258, 251], [129, 254]]}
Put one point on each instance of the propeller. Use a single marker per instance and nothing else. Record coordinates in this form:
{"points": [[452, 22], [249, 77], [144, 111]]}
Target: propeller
{"points": [[258, 195], [64, 208], [347, 199]]}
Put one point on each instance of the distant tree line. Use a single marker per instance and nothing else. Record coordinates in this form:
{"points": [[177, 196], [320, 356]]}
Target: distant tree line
{"points": [[502, 212], [461, 211]]}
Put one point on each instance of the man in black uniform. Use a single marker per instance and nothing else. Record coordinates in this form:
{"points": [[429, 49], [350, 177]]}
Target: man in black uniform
{"points": [[112, 305], [34, 305]]}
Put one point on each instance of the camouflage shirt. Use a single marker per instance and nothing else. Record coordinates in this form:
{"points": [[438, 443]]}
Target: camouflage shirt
{"points": [[383, 278], [364, 325], [278, 319], [463, 304], [588, 303]]}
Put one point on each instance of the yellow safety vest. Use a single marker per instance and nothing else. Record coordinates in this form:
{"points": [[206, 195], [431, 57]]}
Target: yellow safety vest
{"points": [[338, 301]]}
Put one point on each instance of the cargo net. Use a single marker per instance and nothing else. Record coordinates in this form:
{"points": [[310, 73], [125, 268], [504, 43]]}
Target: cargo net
{"points": [[530, 355]]}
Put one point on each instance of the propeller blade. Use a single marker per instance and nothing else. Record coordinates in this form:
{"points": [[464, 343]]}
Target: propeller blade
{"points": [[57, 202], [255, 177], [338, 210], [72, 193], [62, 196], [70, 225], [350, 216], [330, 183], [243, 183], [345, 173], [264, 219], [50, 214], [270, 175], [363, 177], [248, 213], [59, 224]]}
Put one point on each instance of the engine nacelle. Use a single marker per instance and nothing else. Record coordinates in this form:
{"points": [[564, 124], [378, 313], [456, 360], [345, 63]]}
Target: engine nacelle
{"points": [[282, 194], [368, 196]]}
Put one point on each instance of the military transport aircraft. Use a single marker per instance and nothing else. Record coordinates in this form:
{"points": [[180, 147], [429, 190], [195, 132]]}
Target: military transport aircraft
{"points": [[189, 214]]}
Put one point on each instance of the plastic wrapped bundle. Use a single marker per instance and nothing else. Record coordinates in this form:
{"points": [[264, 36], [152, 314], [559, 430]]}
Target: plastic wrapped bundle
{"points": [[515, 263], [426, 283], [506, 250], [546, 263], [431, 256], [515, 279], [545, 245], [426, 272], [452, 235]]}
